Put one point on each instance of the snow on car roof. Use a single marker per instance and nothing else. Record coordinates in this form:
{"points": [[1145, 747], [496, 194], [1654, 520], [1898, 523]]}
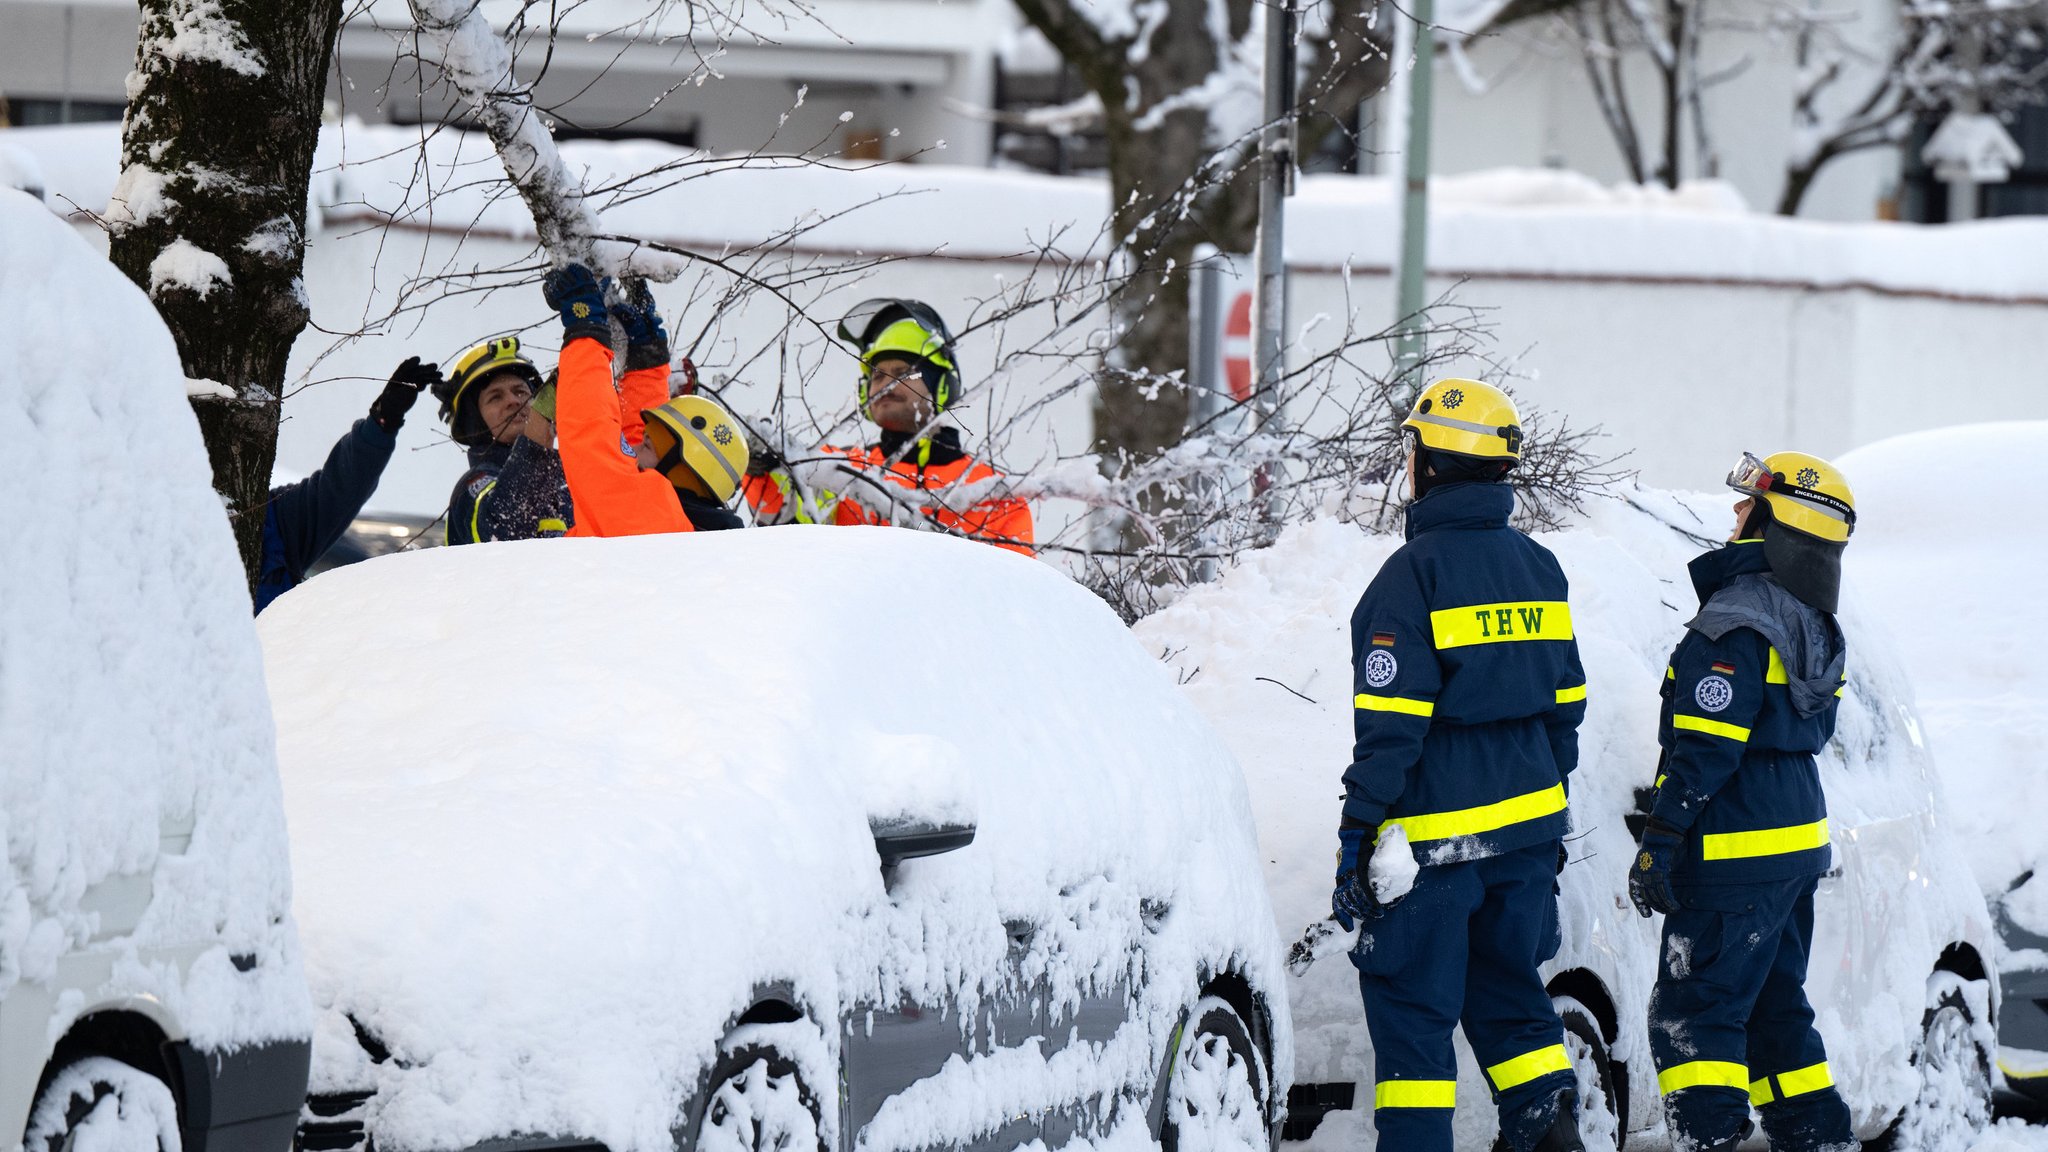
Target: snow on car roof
{"points": [[131, 686], [1946, 549], [559, 806]]}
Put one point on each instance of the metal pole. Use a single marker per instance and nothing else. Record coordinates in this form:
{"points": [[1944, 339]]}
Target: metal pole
{"points": [[1205, 382], [64, 100], [1409, 349], [1276, 182]]}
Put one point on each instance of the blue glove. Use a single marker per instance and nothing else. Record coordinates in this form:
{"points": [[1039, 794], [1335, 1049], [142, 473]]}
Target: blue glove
{"points": [[646, 339], [1353, 900], [1649, 880], [578, 295]]}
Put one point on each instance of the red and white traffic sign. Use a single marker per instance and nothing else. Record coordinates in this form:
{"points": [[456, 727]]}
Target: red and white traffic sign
{"points": [[1237, 345]]}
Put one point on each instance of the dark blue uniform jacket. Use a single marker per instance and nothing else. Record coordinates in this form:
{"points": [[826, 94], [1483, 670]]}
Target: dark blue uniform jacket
{"points": [[1749, 697], [303, 520], [511, 492], [1468, 687]]}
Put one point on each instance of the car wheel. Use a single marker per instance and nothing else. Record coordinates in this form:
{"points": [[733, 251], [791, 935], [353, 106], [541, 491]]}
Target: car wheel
{"points": [[1954, 1063], [100, 1103], [1216, 1085], [758, 1101], [1601, 1104]]}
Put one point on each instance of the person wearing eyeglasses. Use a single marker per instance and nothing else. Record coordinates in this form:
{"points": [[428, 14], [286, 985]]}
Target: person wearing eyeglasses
{"points": [[514, 488], [1737, 835], [909, 377]]}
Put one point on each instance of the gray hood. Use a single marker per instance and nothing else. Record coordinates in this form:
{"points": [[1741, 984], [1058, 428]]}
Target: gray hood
{"points": [[1807, 639]]}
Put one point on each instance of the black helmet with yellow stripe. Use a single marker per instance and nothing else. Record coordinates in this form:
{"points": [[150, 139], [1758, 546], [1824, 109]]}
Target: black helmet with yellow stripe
{"points": [[464, 383]]}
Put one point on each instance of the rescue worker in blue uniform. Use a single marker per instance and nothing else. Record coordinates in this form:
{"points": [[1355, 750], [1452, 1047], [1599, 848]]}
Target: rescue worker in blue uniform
{"points": [[515, 488], [1469, 695], [1737, 836]]}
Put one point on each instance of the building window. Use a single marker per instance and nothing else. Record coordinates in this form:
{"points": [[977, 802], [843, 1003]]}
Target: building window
{"points": [[36, 111]]}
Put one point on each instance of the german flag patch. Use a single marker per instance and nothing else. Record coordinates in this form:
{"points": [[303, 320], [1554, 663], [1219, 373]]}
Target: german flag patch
{"points": [[1383, 639], [1723, 669]]}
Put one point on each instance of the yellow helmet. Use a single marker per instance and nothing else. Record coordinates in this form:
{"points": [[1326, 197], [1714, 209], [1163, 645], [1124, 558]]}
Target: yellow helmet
{"points": [[700, 446], [1805, 493], [474, 366], [1467, 418]]}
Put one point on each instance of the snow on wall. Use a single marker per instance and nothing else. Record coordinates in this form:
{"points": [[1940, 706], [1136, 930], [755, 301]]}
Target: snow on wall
{"points": [[131, 688], [1284, 613], [518, 846], [1687, 328]]}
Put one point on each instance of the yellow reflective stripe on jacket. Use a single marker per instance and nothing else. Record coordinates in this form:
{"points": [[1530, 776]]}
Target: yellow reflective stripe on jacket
{"points": [[1670, 673], [476, 508], [1764, 841], [1528, 1066], [1797, 1082], [550, 524], [1686, 723], [1703, 1074], [1774, 671], [1400, 704], [1660, 780], [1415, 1094], [1500, 623], [1485, 818], [1571, 695]]}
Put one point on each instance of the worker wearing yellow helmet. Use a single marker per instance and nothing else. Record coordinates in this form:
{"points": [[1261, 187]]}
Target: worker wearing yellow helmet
{"points": [[909, 377], [1468, 697], [1736, 838], [637, 461], [513, 488]]}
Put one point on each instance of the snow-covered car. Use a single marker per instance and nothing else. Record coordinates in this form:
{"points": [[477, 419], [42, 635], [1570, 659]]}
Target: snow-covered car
{"points": [[1953, 568], [823, 838], [1903, 939], [151, 995]]}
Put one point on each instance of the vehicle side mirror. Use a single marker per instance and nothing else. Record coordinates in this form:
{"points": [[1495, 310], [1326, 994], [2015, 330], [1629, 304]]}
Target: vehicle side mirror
{"points": [[900, 840]]}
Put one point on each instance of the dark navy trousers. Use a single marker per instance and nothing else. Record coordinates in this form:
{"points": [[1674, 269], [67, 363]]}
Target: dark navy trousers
{"points": [[1730, 1025], [1464, 945]]}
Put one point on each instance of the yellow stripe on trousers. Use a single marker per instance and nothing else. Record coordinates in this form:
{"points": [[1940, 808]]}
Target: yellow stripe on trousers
{"points": [[1528, 1066], [1415, 1094], [1797, 1082], [1703, 1074]]}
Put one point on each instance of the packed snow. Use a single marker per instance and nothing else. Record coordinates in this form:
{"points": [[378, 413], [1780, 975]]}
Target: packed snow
{"points": [[132, 699], [559, 781], [1277, 625]]}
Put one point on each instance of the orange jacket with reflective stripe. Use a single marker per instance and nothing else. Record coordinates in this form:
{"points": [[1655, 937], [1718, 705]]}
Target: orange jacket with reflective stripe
{"points": [[598, 426], [1003, 521]]}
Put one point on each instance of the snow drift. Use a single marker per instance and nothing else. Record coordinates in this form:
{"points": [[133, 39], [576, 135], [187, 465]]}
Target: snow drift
{"points": [[131, 686], [568, 803]]}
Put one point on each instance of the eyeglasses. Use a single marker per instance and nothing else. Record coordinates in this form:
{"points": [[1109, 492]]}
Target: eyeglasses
{"points": [[882, 379], [1750, 476]]}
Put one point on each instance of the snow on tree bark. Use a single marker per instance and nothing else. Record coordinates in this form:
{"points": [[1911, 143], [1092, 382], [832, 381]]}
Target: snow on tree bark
{"points": [[478, 62], [209, 213]]}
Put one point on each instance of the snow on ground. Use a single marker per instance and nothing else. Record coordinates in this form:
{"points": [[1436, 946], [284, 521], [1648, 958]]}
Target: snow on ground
{"points": [[561, 780], [131, 686]]}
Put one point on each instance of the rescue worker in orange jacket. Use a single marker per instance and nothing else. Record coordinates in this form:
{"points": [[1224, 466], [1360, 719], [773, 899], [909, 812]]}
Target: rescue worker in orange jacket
{"points": [[909, 375], [638, 462]]}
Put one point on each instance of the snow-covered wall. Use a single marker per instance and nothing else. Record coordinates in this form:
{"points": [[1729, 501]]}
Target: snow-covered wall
{"points": [[1686, 326]]}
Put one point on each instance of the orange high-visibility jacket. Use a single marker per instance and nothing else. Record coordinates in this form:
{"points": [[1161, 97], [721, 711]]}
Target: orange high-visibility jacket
{"points": [[1004, 521], [598, 426]]}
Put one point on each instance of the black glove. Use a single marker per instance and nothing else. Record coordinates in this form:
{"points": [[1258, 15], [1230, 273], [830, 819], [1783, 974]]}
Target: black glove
{"points": [[1564, 857], [577, 293], [407, 381], [646, 339], [761, 459], [1649, 880], [1353, 899]]}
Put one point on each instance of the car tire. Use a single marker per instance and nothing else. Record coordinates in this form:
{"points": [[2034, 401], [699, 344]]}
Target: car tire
{"points": [[1603, 1104], [1954, 1065], [106, 1104], [1217, 1085], [757, 1100]]}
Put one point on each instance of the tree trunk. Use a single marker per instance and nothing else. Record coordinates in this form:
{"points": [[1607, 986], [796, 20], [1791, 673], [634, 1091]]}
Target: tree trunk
{"points": [[209, 216]]}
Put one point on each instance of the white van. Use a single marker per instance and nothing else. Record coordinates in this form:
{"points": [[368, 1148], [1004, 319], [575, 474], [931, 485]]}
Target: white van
{"points": [[151, 994]]}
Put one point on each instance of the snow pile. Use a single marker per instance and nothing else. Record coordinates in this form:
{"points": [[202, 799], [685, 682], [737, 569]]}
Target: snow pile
{"points": [[1279, 621], [546, 854], [131, 688], [1947, 551]]}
